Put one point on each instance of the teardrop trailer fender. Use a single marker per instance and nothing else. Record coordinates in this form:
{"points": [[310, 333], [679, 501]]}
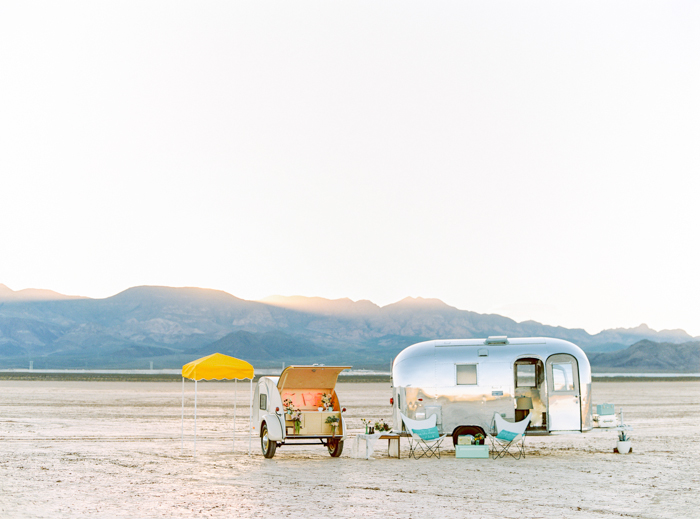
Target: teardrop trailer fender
{"points": [[274, 427]]}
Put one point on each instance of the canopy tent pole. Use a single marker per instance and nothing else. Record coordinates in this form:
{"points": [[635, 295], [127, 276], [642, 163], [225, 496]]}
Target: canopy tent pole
{"points": [[217, 367], [195, 418], [250, 419], [182, 420], [235, 401]]}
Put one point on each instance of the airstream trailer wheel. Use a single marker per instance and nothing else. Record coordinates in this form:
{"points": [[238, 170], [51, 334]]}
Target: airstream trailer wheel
{"points": [[268, 446], [335, 447], [466, 429]]}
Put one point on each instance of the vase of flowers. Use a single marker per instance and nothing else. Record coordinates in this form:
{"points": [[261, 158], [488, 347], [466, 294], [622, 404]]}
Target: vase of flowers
{"points": [[381, 426], [327, 401], [333, 421], [296, 418], [366, 422], [292, 414], [288, 406], [478, 439]]}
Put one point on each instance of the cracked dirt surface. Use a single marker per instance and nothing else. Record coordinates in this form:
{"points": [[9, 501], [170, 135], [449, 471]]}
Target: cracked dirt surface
{"points": [[113, 449]]}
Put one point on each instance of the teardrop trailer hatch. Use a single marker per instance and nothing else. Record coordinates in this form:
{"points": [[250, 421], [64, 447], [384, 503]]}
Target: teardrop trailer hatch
{"points": [[304, 386], [464, 382]]}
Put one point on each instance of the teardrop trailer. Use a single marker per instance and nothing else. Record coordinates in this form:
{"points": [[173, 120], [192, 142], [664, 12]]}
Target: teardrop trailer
{"points": [[304, 388], [465, 382]]}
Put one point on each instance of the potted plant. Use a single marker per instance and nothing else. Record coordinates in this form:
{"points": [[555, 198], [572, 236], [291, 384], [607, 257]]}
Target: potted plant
{"points": [[624, 441]]}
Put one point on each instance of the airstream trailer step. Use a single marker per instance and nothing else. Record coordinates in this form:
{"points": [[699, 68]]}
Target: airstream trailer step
{"points": [[471, 451], [537, 432], [305, 443], [291, 437]]}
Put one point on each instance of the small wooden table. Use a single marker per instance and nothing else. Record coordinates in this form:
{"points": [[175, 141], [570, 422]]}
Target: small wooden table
{"points": [[393, 438], [370, 439]]}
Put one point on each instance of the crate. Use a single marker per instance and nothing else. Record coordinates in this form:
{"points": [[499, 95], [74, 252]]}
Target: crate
{"points": [[605, 409], [465, 439], [472, 451]]}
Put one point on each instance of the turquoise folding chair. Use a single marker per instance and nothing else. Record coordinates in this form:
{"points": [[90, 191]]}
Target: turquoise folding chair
{"points": [[507, 436], [425, 438]]}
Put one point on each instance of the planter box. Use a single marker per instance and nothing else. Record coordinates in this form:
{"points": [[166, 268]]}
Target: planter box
{"points": [[624, 447], [472, 451]]}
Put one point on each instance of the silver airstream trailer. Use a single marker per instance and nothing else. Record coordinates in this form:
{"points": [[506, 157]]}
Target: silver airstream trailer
{"points": [[302, 389], [464, 382]]}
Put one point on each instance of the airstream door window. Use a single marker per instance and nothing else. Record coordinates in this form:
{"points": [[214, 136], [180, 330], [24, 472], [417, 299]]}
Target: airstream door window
{"points": [[466, 374], [563, 374]]}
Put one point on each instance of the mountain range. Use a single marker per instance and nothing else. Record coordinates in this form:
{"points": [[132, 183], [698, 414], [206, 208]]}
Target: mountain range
{"points": [[169, 326]]}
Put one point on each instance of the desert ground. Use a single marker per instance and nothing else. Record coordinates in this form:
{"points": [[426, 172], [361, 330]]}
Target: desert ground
{"points": [[113, 449]]}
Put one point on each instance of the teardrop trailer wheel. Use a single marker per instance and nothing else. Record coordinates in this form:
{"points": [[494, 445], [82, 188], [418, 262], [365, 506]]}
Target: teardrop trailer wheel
{"points": [[335, 447], [268, 446]]}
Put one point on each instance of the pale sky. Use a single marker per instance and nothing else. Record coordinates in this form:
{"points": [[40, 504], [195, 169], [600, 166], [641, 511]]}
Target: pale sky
{"points": [[535, 159]]}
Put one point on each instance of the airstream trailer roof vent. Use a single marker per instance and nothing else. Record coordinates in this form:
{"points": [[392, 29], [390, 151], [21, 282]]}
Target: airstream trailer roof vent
{"points": [[501, 339]]}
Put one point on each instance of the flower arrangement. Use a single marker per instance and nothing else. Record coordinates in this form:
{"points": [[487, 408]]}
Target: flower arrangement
{"points": [[367, 424], [381, 426], [334, 422], [327, 401], [295, 416], [478, 439]]}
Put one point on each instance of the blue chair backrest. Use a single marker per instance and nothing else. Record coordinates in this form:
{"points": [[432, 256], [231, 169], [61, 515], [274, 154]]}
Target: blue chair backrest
{"points": [[431, 433]]}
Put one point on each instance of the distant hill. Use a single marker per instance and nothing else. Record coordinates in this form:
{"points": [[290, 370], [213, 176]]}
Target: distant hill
{"points": [[32, 294], [268, 346], [171, 325], [651, 356]]}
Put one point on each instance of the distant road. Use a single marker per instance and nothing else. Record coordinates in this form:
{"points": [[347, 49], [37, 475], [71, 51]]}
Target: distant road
{"points": [[157, 375]]}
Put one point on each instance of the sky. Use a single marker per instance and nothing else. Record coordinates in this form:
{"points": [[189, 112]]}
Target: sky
{"points": [[539, 160]]}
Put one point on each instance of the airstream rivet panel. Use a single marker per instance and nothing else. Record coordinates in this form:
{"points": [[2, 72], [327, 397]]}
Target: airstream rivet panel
{"points": [[464, 382]]}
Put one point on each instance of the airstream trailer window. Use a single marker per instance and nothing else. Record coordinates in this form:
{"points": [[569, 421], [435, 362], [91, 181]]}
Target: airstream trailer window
{"points": [[525, 375], [563, 373], [466, 374], [263, 401]]}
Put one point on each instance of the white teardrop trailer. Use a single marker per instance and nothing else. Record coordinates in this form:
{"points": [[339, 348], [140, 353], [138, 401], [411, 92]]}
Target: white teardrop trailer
{"points": [[304, 387], [465, 382]]}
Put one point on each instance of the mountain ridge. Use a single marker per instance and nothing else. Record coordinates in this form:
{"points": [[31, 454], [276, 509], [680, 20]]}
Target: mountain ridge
{"points": [[32, 294], [169, 323]]}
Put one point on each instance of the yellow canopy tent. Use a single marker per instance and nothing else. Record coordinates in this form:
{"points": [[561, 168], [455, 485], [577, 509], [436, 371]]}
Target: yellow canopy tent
{"points": [[217, 367]]}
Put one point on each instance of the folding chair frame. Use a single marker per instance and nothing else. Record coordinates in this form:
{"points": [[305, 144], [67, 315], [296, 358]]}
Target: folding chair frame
{"points": [[501, 448], [416, 444], [424, 447]]}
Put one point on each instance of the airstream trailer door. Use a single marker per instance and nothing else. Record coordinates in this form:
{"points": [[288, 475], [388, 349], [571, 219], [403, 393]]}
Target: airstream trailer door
{"points": [[564, 407]]}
